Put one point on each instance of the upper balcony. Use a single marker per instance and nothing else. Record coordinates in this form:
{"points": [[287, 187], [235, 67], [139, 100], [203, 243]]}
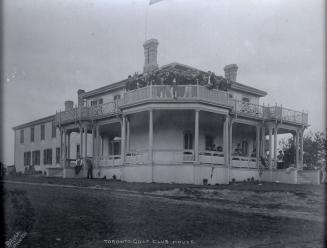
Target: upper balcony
{"points": [[182, 93], [81, 113]]}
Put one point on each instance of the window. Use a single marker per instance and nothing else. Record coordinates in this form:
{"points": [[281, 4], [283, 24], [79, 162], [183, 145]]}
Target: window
{"points": [[32, 134], [22, 136], [209, 143], [54, 130], [78, 152], [116, 97], [58, 155], [100, 101], [188, 141], [47, 156], [230, 95], [42, 131], [36, 158], [27, 158], [94, 102], [245, 99]]}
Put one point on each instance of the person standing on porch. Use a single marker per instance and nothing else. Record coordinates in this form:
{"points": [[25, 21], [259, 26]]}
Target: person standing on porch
{"points": [[280, 160], [89, 168]]}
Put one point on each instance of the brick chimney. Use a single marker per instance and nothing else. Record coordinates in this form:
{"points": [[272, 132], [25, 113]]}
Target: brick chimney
{"points": [[231, 72], [150, 55], [80, 99]]}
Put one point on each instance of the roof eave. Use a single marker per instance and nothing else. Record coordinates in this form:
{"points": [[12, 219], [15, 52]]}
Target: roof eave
{"points": [[35, 122]]}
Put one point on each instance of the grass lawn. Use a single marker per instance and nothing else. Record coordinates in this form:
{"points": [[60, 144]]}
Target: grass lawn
{"points": [[84, 217]]}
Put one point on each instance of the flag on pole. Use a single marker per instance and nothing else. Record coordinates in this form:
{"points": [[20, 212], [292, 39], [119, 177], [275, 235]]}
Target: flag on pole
{"points": [[154, 1]]}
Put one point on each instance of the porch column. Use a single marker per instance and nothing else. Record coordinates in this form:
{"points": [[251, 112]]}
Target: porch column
{"points": [[258, 145], [225, 139], [81, 142], [270, 148], [127, 134], [196, 136], [97, 144], [85, 135], [123, 139], [301, 149], [275, 147], [263, 145], [151, 136], [68, 147], [226, 146], [93, 143], [61, 148], [230, 145], [297, 149], [65, 154]]}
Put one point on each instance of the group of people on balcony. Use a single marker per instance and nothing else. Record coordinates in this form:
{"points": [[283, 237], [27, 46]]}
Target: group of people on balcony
{"points": [[174, 79]]}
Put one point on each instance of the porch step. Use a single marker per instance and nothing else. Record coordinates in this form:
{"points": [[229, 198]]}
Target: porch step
{"points": [[302, 179]]}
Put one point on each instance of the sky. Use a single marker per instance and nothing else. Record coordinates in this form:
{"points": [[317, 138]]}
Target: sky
{"points": [[53, 48]]}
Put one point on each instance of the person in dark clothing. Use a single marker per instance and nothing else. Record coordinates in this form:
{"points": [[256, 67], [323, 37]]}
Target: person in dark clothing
{"points": [[129, 83], [89, 168], [213, 80], [222, 85]]}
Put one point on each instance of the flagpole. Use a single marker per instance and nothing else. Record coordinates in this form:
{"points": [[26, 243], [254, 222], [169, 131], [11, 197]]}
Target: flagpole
{"points": [[146, 20]]}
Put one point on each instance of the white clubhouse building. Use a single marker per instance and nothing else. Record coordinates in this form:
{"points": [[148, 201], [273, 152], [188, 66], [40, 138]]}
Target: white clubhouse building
{"points": [[170, 124]]}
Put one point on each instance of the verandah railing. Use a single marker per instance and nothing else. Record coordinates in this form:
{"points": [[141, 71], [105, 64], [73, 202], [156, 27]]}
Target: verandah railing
{"points": [[182, 93]]}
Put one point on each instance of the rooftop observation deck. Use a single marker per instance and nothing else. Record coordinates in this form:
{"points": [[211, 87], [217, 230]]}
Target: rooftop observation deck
{"points": [[182, 93]]}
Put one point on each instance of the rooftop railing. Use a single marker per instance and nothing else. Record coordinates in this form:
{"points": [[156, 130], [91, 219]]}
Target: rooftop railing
{"points": [[182, 93], [176, 93]]}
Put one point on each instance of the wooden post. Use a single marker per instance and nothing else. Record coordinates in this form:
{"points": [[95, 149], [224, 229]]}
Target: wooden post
{"points": [[85, 134], [123, 139], [196, 136], [68, 148], [230, 148], [275, 146], [263, 145], [301, 148], [65, 148], [226, 146], [128, 134], [297, 149], [151, 136], [258, 145], [61, 148], [81, 142], [270, 148], [97, 144]]}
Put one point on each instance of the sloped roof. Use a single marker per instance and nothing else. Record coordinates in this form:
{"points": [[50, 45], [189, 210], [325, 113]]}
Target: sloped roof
{"points": [[178, 68], [35, 122]]}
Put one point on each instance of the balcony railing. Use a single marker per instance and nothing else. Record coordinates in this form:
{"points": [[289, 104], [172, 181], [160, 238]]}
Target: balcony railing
{"points": [[176, 93], [249, 109], [182, 93], [87, 113]]}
